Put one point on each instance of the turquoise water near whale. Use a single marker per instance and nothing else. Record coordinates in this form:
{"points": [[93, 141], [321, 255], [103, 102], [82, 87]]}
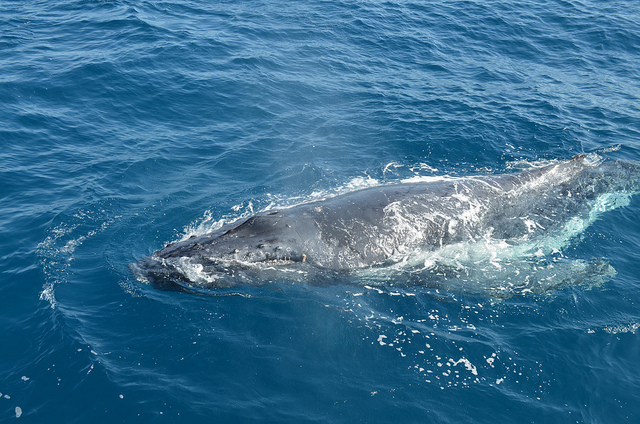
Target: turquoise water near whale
{"points": [[127, 125]]}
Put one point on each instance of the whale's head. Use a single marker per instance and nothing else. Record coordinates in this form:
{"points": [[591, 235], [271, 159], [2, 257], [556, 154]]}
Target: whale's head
{"points": [[231, 255]]}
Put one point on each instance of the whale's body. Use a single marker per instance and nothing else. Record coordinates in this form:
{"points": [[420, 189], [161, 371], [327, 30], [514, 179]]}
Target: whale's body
{"points": [[383, 224]]}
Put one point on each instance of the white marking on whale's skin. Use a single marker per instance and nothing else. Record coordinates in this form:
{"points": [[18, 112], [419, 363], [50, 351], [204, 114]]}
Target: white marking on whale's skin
{"points": [[469, 226]]}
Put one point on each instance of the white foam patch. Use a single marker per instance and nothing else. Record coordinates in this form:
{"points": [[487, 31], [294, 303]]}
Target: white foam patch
{"points": [[57, 250], [429, 179], [195, 272], [523, 164], [208, 223], [631, 328], [467, 364], [359, 183]]}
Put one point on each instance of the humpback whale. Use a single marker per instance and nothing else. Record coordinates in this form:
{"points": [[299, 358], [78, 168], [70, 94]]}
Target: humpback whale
{"points": [[379, 226]]}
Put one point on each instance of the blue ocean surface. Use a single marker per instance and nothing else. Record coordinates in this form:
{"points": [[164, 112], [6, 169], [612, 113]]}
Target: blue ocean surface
{"points": [[127, 125]]}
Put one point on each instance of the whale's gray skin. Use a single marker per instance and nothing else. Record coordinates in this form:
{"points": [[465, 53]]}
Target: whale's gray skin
{"points": [[376, 225]]}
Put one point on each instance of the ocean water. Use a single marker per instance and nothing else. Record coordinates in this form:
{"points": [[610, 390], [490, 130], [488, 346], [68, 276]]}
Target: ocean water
{"points": [[127, 125]]}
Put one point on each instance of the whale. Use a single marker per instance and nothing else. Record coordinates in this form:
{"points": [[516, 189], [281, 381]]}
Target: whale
{"points": [[381, 226]]}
